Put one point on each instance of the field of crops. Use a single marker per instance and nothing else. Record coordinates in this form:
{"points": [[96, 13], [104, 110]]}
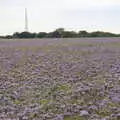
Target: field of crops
{"points": [[60, 79]]}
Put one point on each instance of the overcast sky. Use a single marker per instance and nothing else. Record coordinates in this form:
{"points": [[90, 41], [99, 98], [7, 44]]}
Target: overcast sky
{"points": [[47, 15]]}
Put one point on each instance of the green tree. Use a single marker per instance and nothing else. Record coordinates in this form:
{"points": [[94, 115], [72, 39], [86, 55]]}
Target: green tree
{"points": [[69, 34], [83, 33], [41, 35]]}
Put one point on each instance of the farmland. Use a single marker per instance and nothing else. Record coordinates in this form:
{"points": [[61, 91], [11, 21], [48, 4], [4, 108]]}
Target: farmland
{"points": [[60, 79]]}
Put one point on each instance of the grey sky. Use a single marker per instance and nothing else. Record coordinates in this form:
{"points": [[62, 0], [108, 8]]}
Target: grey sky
{"points": [[47, 15]]}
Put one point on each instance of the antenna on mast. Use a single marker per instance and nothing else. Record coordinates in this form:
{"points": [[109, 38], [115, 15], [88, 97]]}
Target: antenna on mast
{"points": [[26, 20]]}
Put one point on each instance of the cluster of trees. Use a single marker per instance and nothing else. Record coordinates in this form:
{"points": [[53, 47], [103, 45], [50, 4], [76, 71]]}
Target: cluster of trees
{"points": [[61, 33]]}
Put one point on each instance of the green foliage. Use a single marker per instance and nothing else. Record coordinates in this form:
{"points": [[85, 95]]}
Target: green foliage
{"points": [[73, 117], [44, 102], [61, 33], [69, 34], [41, 35], [64, 87], [83, 34], [101, 34], [17, 102], [24, 35]]}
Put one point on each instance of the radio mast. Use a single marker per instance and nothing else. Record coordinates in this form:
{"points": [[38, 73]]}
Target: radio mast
{"points": [[26, 20]]}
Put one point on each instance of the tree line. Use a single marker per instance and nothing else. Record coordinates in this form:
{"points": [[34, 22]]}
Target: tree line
{"points": [[61, 33]]}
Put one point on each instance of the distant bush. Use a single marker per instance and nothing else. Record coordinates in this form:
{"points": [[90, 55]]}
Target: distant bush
{"points": [[24, 35], [61, 33], [41, 35]]}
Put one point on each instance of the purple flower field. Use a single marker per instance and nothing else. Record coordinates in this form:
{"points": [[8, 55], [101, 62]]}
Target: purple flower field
{"points": [[60, 79]]}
